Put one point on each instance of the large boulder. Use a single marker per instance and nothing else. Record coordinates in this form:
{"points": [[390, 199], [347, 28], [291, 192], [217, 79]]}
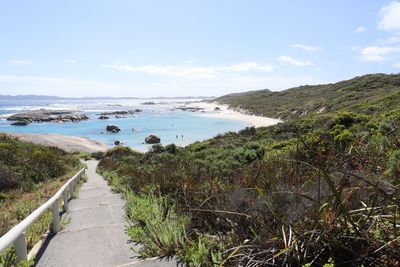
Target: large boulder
{"points": [[21, 123], [113, 128], [152, 139]]}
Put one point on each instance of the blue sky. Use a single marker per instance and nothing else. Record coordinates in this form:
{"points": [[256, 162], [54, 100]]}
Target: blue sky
{"points": [[204, 47]]}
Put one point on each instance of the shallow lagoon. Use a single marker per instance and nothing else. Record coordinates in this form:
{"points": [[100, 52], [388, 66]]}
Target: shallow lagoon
{"points": [[159, 119]]}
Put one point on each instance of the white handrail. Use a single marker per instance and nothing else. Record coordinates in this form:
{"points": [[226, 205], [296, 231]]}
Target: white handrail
{"points": [[17, 234]]}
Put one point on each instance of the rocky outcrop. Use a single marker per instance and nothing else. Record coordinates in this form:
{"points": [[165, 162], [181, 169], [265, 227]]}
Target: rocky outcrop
{"points": [[191, 109], [117, 143], [20, 123], [47, 115], [152, 139], [113, 129], [121, 113], [103, 117], [148, 103]]}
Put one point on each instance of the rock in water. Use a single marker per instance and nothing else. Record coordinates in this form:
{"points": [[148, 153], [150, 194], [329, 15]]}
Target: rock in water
{"points": [[117, 143], [112, 128], [103, 117], [21, 123], [152, 139], [121, 113]]}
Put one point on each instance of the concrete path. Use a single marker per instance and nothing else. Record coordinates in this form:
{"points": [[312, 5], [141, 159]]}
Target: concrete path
{"points": [[96, 234]]}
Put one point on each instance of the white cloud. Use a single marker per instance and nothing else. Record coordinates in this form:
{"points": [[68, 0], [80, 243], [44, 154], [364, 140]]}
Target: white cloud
{"points": [[308, 48], [394, 39], [191, 71], [385, 49], [390, 17], [72, 61], [238, 83], [18, 62], [377, 53], [196, 72], [166, 86], [360, 29], [396, 65], [294, 62], [248, 66]]}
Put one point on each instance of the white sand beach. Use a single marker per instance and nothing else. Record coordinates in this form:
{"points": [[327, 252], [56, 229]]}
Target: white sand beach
{"points": [[226, 113], [67, 143]]}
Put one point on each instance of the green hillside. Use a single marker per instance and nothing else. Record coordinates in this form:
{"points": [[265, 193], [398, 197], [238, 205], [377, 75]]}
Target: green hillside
{"points": [[321, 189], [29, 175], [367, 94]]}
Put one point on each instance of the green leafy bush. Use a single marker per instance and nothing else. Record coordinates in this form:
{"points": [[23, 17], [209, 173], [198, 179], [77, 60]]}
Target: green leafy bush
{"points": [[156, 225]]}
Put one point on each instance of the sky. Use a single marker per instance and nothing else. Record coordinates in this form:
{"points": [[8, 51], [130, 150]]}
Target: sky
{"points": [[151, 48]]}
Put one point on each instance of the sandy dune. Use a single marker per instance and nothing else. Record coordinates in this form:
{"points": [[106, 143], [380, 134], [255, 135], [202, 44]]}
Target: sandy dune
{"points": [[68, 143], [227, 113]]}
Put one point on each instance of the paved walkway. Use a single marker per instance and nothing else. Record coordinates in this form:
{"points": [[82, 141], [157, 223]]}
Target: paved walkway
{"points": [[96, 234]]}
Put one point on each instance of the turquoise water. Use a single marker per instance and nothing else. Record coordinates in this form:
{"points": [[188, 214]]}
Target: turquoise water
{"points": [[172, 126]]}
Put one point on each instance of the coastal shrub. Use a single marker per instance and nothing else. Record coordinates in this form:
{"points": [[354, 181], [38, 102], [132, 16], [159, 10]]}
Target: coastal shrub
{"points": [[248, 131], [156, 225], [119, 151], [393, 165], [205, 251], [157, 148], [317, 190], [171, 148], [97, 155], [347, 119], [343, 138], [26, 163], [29, 174], [8, 178]]}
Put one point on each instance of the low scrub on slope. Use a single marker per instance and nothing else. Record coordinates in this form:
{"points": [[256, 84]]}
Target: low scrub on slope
{"points": [[362, 94], [321, 189], [29, 175]]}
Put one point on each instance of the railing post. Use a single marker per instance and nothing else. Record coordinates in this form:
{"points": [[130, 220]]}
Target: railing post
{"points": [[71, 190], [65, 199], [20, 247], [56, 217]]}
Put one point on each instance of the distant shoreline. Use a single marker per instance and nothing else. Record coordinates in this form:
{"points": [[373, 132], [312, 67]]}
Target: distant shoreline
{"points": [[225, 112]]}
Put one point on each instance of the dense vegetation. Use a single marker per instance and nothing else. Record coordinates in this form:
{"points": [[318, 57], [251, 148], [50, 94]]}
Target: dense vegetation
{"points": [[321, 189], [361, 94], [29, 175]]}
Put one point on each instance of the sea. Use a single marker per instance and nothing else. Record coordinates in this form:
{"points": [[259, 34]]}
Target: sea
{"points": [[160, 118]]}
